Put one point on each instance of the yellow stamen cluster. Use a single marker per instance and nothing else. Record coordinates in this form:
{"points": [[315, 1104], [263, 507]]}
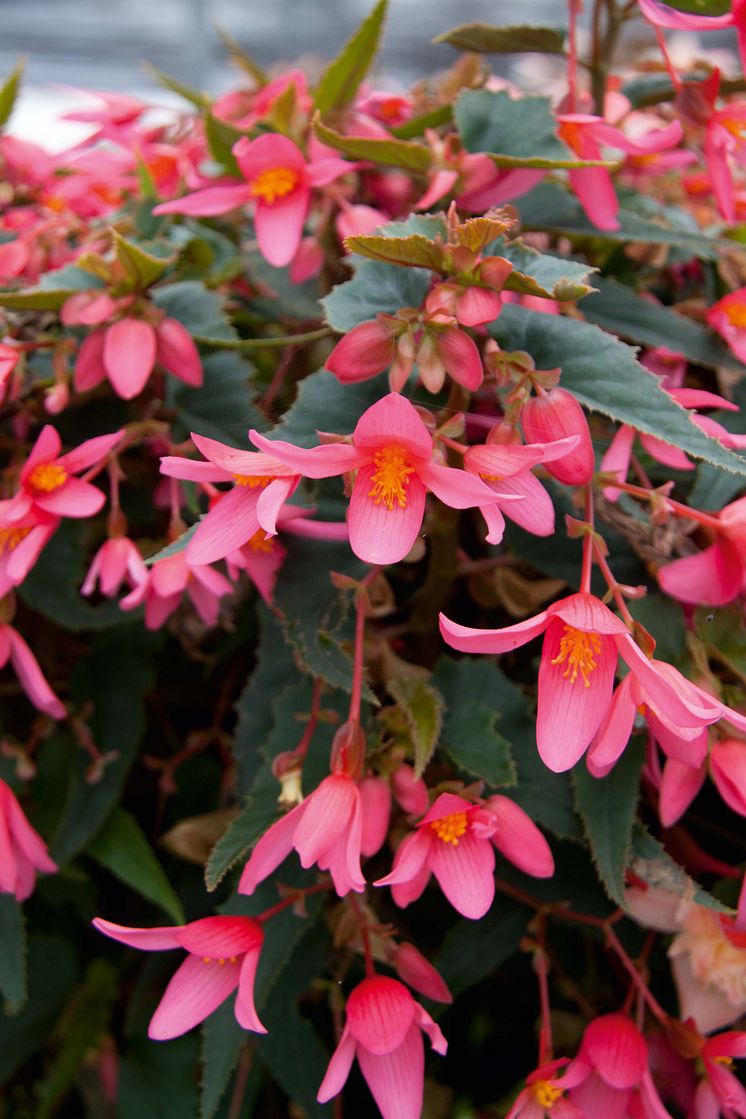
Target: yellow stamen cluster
{"points": [[221, 961], [10, 538], [735, 126], [391, 477], [450, 828], [274, 183], [546, 1094], [727, 1061], [736, 314], [47, 477], [580, 650], [259, 542], [252, 480]]}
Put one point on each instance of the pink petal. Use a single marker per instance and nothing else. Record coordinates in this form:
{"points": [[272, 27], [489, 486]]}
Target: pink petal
{"points": [[570, 713], [245, 1009], [460, 356], [46, 449], [469, 640], [380, 1011], [90, 370], [709, 578], [679, 786], [271, 501], [220, 936], [594, 1097], [477, 306], [262, 568], [90, 452], [728, 769], [364, 351], [207, 203], [596, 195], [379, 534], [518, 838], [148, 940], [665, 453], [129, 356], [432, 1029], [456, 488], [441, 184], [617, 1049], [419, 974], [709, 1007], [614, 732], [396, 1079], [465, 873], [328, 811], [279, 226], [586, 612], [75, 498], [392, 420], [617, 459], [535, 513], [670, 694], [30, 676], [192, 470], [87, 308], [196, 989], [229, 524], [411, 857], [664, 16], [272, 849], [339, 1068], [266, 152], [311, 462], [375, 796], [177, 352]]}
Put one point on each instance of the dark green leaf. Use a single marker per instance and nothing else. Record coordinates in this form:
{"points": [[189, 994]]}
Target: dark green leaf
{"points": [[221, 138], [12, 954], [472, 950], [197, 308], [536, 273], [391, 152], [605, 376], [174, 547], [622, 311], [157, 1081], [486, 39], [374, 289], [9, 92], [223, 407], [609, 808], [52, 290], [258, 811], [652, 863], [121, 847], [142, 267], [422, 706], [664, 620], [515, 132], [478, 698], [416, 126], [340, 80]]}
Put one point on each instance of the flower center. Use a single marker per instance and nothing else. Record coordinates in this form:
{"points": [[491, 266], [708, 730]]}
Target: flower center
{"points": [[727, 1061], [259, 542], [220, 960], [580, 650], [450, 828], [391, 477], [252, 480], [546, 1094], [735, 126], [47, 477], [274, 183], [10, 538], [736, 314]]}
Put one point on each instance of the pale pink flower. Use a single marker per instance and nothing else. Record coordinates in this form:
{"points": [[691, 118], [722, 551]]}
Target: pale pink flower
{"points": [[223, 953], [392, 451], [166, 581], [23, 853], [709, 968], [383, 1029], [278, 182], [47, 484], [117, 561], [22, 542], [13, 648]]}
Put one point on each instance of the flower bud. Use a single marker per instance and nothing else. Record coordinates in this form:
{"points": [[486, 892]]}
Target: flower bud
{"points": [[553, 415], [348, 750], [410, 791], [364, 351], [419, 974]]}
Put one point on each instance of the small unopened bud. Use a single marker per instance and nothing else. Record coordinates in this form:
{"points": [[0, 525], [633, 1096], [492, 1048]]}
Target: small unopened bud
{"points": [[412, 967], [348, 750], [410, 791], [554, 415]]}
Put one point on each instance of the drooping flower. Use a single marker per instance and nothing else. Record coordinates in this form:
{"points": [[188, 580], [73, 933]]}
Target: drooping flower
{"points": [[392, 451], [165, 582], [23, 853], [716, 575], [127, 351], [383, 1029], [544, 1095], [117, 560], [611, 1074], [13, 648], [553, 415], [223, 953]]}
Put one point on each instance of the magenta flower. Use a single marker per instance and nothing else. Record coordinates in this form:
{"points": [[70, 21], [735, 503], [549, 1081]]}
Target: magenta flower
{"points": [[22, 542], [261, 484], [728, 317], [544, 1094], [117, 560], [553, 415], [326, 829], [14, 649], [48, 485], [716, 575], [223, 953], [126, 353], [419, 974], [518, 839], [22, 850], [392, 451], [167, 580], [452, 842], [278, 182], [383, 1030], [610, 1075], [721, 1090]]}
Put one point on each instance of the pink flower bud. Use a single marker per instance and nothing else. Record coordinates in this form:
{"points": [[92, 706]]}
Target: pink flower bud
{"points": [[177, 352], [376, 800], [365, 351], [87, 308], [57, 398], [460, 356], [410, 791], [553, 415], [419, 974], [348, 750]]}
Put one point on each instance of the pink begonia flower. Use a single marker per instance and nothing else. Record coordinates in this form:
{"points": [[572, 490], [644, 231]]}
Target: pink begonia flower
{"points": [[556, 414], [23, 853], [475, 296], [576, 676], [375, 796], [392, 451], [13, 648], [383, 1029], [506, 467], [47, 484], [262, 483], [518, 839], [585, 135], [716, 575], [544, 1095], [419, 974], [278, 182], [725, 144], [451, 841], [223, 953], [728, 317], [21, 543], [117, 560], [326, 830], [721, 1091], [663, 15], [127, 351], [680, 782], [165, 582], [611, 1074]]}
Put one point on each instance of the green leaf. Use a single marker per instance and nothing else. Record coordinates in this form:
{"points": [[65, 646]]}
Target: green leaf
{"points": [[122, 848], [473, 950], [664, 620], [626, 391], [391, 152], [609, 808], [223, 407], [142, 267], [258, 812], [197, 97], [620, 310], [422, 706], [197, 308], [9, 91], [115, 676], [52, 290], [415, 126], [12, 954], [221, 137], [241, 58], [340, 80], [486, 39], [478, 698], [547, 797], [550, 206], [415, 251], [174, 547], [652, 863], [158, 1081], [222, 1042], [535, 273], [374, 289], [515, 132], [78, 1031]]}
